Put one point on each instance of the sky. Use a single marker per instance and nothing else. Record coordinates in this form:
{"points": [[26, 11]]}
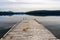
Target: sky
{"points": [[29, 5]]}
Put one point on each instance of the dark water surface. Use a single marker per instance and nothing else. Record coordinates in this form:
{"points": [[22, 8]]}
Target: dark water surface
{"points": [[50, 22], [6, 22]]}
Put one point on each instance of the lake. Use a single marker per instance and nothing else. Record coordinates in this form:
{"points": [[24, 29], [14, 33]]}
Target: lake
{"points": [[52, 23]]}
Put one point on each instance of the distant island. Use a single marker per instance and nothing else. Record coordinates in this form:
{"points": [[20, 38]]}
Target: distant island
{"points": [[10, 13], [34, 13], [44, 13]]}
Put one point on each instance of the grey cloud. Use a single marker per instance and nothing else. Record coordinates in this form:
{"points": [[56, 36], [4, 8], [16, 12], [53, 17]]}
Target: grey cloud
{"points": [[3, 0], [25, 6], [55, 0]]}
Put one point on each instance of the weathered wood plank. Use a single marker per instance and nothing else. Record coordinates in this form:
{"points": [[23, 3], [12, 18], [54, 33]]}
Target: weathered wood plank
{"points": [[29, 30]]}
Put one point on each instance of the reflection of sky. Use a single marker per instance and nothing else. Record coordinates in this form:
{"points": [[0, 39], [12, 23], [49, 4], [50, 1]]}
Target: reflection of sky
{"points": [[28, 5], [9, 20], [50, 18]]}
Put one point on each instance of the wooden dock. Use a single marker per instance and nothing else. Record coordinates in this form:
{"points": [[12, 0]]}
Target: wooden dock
{"points": [[29, 30]]}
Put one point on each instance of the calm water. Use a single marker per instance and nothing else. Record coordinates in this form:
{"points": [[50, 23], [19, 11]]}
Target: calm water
{"points": [[50, 22], [6, 22]]}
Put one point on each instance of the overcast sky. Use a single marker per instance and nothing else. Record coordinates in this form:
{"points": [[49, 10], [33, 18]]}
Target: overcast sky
{"points": [[29, 5]]}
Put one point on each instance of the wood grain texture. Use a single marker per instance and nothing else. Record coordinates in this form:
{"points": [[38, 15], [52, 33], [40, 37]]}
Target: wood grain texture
{"points": [[29, 30]]}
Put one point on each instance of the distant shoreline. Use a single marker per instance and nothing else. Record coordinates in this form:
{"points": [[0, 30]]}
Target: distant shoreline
{"points": [[34, 13]]}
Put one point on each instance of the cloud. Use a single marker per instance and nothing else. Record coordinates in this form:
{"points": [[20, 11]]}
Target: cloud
{"points": [[3, 0], [28, 5], [12, 0], [55, 0]]}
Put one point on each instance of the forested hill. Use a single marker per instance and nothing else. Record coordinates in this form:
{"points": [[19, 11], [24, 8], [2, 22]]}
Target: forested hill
{"points": [[10, 13], [44, 13], [35, 13]]}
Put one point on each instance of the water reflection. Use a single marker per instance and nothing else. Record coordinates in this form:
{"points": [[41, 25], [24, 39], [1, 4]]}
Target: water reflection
{"points": [[7, 21]]}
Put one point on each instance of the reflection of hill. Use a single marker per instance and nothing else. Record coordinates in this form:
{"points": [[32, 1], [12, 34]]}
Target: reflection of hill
{"points": [[44, 13], [10, 13]]}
